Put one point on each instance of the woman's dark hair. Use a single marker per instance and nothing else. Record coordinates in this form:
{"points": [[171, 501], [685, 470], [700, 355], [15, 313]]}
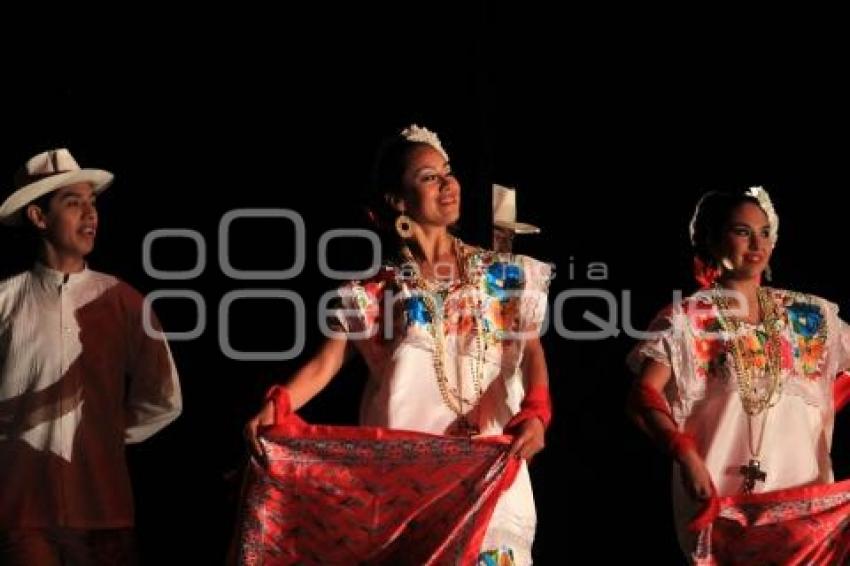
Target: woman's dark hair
{"points": [[388, 169], [713, 212], [710, 219]]}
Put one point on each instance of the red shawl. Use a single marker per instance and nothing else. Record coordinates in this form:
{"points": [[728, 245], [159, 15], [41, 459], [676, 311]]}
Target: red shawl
{"points": [[361, 495]]}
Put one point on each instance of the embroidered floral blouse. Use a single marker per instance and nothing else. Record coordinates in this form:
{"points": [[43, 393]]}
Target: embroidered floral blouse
{"points": [[499, 301], [392, 324], [792, 438]]}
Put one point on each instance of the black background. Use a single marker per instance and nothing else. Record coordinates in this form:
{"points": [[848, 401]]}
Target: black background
{"points": [[610, 129]]}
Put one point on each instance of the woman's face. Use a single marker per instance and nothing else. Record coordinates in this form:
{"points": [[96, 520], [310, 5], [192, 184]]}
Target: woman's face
{"points": [[745, 245], [431, 194]]}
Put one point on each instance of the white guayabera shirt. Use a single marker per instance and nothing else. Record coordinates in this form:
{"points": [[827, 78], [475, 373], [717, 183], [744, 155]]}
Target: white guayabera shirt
{"points": [[79, 378]]}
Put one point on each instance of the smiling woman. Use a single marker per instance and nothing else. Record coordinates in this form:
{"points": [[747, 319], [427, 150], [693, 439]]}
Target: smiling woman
{"points": [[449, 332], [737, 384]]}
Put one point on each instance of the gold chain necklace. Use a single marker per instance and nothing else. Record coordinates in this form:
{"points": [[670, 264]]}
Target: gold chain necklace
{"points": [[753, 401], [435, 312]]}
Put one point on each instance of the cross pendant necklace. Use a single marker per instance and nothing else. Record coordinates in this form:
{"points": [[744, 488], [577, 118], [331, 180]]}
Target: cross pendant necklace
{"points": [[752, 471]]}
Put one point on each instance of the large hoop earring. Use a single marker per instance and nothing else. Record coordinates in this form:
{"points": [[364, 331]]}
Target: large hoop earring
{"points": [[404, 226]]}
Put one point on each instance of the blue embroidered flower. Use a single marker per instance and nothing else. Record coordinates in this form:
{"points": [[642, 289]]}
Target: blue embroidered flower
{"points": [[498, 557], [805, 318], [417, 312], [503, 277]]}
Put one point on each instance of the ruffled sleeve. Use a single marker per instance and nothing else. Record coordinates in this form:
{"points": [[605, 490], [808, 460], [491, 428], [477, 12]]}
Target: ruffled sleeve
{"points": [[659, 344], [840, 346], [516, 289], [667, 341], [356, 308], [535, 293]]}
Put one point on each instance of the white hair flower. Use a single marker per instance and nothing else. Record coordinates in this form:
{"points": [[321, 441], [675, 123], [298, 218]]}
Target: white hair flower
{"points": [[760, 194], [414, 133]]}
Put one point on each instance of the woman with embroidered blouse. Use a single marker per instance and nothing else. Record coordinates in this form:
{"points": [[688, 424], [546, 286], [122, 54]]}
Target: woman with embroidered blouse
{"points": [[737, 384], [449, 332]]}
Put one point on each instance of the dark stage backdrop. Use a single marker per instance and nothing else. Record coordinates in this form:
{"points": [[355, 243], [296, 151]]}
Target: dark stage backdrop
{"points": [[610, 131]]}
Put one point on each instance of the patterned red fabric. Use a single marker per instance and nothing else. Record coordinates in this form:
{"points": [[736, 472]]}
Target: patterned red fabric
{"points": [[364, 495], [805, 525]]}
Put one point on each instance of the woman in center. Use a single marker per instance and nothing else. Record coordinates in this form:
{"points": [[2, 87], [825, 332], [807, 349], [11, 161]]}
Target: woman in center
{"points": [[449, 331]]}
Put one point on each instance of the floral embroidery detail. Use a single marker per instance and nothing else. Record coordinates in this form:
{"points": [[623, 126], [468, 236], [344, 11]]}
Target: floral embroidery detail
{"points": [[367, 296], [490, 295], [711, 355], [503, 280], [460, 314], [709, 348], [712, 351], [416, 311], [810, 353], [806, 318], [502, 283], [367, 299], [490, 292], [786, 353], [498, 557], [809, 327], [495, 317]]}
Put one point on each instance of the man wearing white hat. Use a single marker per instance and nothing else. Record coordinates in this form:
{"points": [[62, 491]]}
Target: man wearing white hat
{"points": [[79, 378], [505, 225]]}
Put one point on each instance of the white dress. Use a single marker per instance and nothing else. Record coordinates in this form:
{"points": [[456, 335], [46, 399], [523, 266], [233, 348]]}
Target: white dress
{"points": [[508, 293], [704, 398]]}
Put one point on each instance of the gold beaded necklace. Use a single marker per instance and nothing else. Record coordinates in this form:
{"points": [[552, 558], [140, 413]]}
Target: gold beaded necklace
{"points": [[754, 401], [455, 401]]}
